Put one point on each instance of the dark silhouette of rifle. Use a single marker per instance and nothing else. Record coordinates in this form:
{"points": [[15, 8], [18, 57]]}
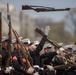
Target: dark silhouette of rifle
{"points": [[22, 48], [0, 31], [9, 47], [64, 66], [18, 40], [54, 44], [42, 8], [10, 42], [48, 39], [1, 36]]}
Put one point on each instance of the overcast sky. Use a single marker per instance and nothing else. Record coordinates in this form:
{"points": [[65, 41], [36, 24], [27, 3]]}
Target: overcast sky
{"points": [[57, 16]]}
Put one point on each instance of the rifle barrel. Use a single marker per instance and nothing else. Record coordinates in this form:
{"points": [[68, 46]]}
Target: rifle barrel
{"points": [[42, 8]]}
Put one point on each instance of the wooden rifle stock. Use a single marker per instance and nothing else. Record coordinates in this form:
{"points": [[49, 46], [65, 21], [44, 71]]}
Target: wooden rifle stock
{"points": [[53, 43], [25, 7], [9, 47], [10, 36], [48, 39], [22, 48], [70, 61], [63, 66]]}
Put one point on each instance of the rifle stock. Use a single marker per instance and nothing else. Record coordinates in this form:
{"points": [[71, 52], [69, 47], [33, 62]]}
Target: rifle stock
{"points": [[26, 7], [54, 44], [63, 66], [22, 48], [48, 39], [10, 38]]}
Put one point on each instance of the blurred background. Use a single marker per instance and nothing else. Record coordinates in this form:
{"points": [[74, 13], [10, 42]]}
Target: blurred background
{"points": [[62, 24]]}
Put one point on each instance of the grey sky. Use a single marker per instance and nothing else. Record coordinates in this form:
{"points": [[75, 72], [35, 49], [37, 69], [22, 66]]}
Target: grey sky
{"points": [[50, 3]]}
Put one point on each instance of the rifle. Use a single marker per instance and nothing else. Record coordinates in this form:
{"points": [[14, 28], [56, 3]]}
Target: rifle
{"points": [[53, 43], [10, 37], [48, 39], [42, 8], [22, 48], [0, 31], [0, 35], [64, 66], [17, 37]]}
